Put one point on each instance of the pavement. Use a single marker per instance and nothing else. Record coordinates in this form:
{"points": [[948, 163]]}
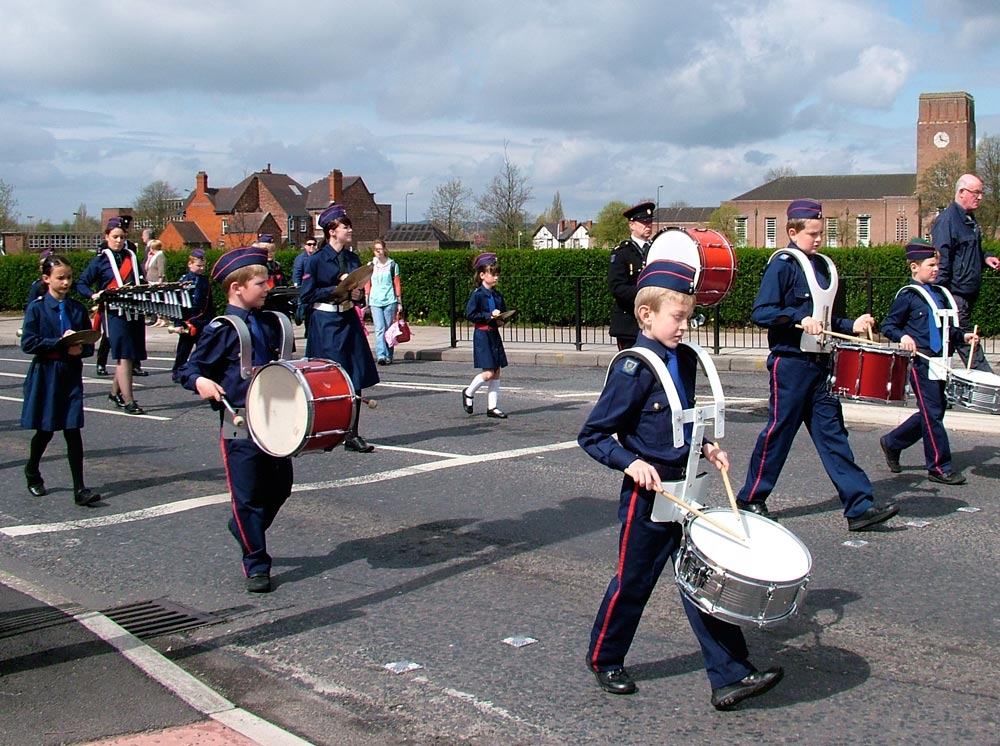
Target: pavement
{"points": [[70, 675]]}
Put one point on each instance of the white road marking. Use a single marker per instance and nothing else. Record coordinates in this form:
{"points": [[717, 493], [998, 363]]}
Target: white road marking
{"points": [[449, 461], [116, 413], [433, 386]]}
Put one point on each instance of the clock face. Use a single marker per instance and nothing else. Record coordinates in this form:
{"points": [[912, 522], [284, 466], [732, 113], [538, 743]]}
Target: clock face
{"points": [[941, 139]]}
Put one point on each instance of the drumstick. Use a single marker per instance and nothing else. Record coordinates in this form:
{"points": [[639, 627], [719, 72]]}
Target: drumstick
{"points": [[732, 497], [694, 511], [932, 360], [972, 348], [238, 419], [838, 335]]}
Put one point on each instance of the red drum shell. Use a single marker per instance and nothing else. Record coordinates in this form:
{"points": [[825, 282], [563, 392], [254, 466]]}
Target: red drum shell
{"points": [[295, 406], [870, 373], [708, 251]]}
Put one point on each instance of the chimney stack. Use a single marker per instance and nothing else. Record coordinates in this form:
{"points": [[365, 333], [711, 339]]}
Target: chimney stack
{"points": [[336, 185], [201, 182]]}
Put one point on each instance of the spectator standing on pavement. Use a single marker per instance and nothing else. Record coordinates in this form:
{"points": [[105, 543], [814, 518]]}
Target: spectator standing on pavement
{"points": [[308, 249], [630, 428], [915, 321], [334, 330], [156, 271], [385, 298], [625, 265], [113, 267], [53, 388], [795, 303], [259, 483], [959, 242], [484, 310], [195, 317]]}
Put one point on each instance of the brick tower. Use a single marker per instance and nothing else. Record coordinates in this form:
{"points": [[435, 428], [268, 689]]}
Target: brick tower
{"points": [[946, 123]]}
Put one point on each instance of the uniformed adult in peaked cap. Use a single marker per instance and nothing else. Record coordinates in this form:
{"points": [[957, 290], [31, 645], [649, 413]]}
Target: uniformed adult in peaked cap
{"points": [[626, 263]]}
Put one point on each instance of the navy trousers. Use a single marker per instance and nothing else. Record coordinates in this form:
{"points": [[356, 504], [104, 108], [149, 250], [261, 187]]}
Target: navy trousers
{"points": [[798, 395], [259, 485], [927, 422], [644, 548]]}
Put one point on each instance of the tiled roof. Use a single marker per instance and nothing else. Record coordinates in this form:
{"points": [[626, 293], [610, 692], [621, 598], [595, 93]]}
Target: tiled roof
{"points": [[406, 232], [189, 232], [855, 186], [672, 215]]}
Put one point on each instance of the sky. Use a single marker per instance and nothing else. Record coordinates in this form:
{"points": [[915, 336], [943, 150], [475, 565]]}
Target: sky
{"points": [[599, 101]]}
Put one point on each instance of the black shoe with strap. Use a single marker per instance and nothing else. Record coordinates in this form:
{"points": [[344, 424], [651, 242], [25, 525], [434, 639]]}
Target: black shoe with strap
{"points": [[467, 401], [496, 414]]}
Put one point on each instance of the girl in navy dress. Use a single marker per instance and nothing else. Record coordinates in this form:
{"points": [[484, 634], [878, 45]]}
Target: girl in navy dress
{"points": [[483, 309], [53, 388]]}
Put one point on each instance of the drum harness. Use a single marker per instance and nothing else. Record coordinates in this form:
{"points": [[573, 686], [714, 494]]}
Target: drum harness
{"points": [[230, 429], [822, 299], [938, 370], [690, 487]]}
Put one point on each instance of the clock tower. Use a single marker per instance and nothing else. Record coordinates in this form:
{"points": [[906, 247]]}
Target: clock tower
{"points": [[946, 124]]}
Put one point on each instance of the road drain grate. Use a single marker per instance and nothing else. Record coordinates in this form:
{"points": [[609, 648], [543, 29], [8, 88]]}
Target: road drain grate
{"points": [[158, 617]]}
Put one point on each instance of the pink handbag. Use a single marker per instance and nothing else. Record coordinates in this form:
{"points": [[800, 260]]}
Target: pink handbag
{"points": [[398, 331]]}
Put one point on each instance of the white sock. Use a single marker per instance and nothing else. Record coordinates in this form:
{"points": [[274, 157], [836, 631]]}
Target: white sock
{"points": [[476, 383], [493, 394]]}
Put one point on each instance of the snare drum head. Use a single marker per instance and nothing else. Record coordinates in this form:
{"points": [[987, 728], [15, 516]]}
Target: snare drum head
{"points": [[772, 554], [977, 376], [278, 409]]}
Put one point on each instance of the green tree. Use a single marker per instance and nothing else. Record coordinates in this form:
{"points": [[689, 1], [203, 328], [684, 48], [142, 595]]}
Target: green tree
{"points": [[723, 220], [503, 203], [449, 209], [611, 227], [988, 170], [156, 205], [8, 216], [936, 187]]}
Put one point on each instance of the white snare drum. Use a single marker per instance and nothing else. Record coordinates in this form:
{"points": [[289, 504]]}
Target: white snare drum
{"points": [[974, 389], [761, 582]]}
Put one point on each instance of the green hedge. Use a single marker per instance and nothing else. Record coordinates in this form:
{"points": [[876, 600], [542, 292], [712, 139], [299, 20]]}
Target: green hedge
{"points": [[542, 284]]}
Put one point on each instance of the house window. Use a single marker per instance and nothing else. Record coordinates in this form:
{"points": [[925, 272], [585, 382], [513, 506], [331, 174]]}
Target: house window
{"points": [[740, 229], [831, 232], [864, 230], [902, 232], [303, 225], [770, 233], [225, 226]]}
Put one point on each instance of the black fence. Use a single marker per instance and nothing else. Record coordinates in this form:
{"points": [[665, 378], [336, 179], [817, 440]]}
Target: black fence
{"points": [[572, 322]]}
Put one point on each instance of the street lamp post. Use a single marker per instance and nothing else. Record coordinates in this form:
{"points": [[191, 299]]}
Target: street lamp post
{"points": [[406, 208], [519, 239], [658, 207]]}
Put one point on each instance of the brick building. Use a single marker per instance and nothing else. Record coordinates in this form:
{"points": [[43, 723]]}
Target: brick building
{"points": [[369, 219]]}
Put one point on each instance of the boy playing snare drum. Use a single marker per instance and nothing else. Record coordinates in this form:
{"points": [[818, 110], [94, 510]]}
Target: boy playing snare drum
{"points": [[259, 483], [916, 320], [633, 406]]}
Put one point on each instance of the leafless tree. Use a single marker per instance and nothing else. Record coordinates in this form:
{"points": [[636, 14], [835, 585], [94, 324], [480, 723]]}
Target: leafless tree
{"points": [[779, 172], [156, 205], [988, 170], [449, 208], [8, 217], [936, 187], [503, 202]]}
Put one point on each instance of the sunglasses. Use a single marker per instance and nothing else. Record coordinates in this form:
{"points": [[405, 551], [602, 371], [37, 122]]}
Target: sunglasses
{"points": [[310, 243]]}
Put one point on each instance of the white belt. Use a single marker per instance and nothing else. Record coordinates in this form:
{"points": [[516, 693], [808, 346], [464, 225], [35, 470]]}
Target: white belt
{"points": [[333, 307]]}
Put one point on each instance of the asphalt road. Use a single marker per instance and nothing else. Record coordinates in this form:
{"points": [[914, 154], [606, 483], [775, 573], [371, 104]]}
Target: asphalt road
{"points": [[460, 532]]}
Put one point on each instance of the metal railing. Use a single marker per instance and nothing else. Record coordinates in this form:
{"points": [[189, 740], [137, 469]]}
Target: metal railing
{"points": [[712, 334]]}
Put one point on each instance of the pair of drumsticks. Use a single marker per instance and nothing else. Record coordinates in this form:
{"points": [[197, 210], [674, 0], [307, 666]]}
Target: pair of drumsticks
{"points": [[931, 360], [707, 518]]}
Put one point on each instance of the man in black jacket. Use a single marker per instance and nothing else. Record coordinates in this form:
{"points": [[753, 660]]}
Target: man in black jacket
{"points": [[627, 262], [959, 243]]}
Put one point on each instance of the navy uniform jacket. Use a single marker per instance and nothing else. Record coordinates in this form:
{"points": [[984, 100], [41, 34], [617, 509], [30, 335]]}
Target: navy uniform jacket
{"points": [[332, 335], [53, 388], [98, 274], [633, 406], [959, 241], [200, 312], [298, 266], [783, 300], [487, 345], [911, 315], [623, 273], [38, 289], [217, 356]]}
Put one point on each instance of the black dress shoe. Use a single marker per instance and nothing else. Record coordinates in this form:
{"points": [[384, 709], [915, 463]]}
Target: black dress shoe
{"points": [[133, 408], [101, 371], [259, 582], [86, 497], [37, 489], [615, 681], [496, 414], [948, 477], [117, 399], [356, 443], [467, 401], [874, 515], [758, 508], [140, 372], [758, 682], [891, 457]]}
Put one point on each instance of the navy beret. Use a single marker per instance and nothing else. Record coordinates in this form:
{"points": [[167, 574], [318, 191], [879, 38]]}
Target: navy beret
{"points": [[197, 254], [265, 238], [805, 209], [666, 273], [330, 214], [643, 212], [918, 249], [245, 256], [484, 260]]}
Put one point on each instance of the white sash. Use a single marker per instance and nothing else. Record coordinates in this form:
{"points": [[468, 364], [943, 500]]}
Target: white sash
{"points": [[822, 299], [938, 371]]}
